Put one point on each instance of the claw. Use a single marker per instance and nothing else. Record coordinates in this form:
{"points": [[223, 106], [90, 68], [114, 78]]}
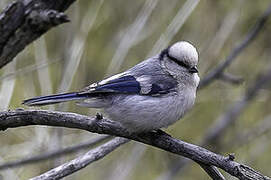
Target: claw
{"points": [[99, 116]]}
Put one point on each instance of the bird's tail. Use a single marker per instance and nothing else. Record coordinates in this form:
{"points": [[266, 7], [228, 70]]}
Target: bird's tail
{"points": [[52, 99]]}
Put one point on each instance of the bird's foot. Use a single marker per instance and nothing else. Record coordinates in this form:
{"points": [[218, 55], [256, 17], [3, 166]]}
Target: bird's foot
{"points": [[99, 116]]}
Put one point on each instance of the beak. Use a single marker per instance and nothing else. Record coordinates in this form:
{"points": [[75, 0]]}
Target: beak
{"points": [[193, 70]]}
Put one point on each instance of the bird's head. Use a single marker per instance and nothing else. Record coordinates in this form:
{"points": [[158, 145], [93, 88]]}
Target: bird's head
{"points": [[181, 60]]}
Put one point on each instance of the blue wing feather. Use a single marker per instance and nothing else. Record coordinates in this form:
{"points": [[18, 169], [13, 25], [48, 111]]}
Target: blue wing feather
{"points": [[123, 78], [155, 89], [161, 84], [156, 86], [121, 87], [125, 84], [162, 87]]}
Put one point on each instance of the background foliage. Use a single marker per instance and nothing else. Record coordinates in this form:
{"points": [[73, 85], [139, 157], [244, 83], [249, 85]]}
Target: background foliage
{"points": [[106, 37]]}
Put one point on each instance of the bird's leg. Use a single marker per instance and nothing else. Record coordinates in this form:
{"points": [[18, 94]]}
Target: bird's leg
{"points": [[161, 132], [99, 116]]}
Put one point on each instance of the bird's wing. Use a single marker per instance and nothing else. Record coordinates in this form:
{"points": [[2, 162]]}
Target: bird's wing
{"points": [[153, 85]]}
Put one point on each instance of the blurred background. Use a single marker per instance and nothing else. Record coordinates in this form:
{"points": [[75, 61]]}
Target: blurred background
{"points": [[107, 37]]}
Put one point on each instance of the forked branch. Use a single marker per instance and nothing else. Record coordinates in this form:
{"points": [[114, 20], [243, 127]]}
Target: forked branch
{"points": [[159, 139]]}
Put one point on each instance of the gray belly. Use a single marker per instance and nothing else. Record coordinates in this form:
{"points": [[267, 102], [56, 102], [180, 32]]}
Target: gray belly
{"points": [[144, 113]]}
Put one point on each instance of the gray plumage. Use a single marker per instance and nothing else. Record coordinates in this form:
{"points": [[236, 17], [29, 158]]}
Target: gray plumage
{"points": [[153, 94]]}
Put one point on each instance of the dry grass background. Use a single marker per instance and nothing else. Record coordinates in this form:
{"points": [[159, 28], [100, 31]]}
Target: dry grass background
{"points": [[105, 37]]}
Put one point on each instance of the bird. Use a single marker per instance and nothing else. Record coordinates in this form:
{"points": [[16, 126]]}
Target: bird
{"points": [[151, 95]]}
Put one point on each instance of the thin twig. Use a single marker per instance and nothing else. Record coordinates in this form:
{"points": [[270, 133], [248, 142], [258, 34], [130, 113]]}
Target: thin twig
{"points": [[216, 131], [82, 161], [9, 174], [212, 172], [252, 34], [54, 154], [127, 167], [226, 77], [28, 69]]}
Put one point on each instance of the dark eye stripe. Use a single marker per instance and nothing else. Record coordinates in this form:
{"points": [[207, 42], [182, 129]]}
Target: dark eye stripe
{"points": [[178, 62], [165, 53], [190, 69]]}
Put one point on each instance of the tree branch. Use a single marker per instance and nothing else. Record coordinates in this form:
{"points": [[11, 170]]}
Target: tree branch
{"points": [[23, 21], [33, 18], [54, 154], [217, 130], [82, 161], [219, 127], [212, 171], [236, 80], [216, 72], [13, 119]]}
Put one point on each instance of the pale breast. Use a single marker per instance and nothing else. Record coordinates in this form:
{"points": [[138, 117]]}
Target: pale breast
{"points": [[143, 113]]}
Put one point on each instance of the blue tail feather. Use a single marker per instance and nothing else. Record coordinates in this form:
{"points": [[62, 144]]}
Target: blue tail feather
{"points": [[52, 99]]}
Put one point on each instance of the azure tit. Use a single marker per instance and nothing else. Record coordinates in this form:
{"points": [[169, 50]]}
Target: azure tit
{"points": [[153, 94]]}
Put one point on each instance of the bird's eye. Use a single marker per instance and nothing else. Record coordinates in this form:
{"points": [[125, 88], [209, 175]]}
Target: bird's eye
{"points": [[193, 70]]}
